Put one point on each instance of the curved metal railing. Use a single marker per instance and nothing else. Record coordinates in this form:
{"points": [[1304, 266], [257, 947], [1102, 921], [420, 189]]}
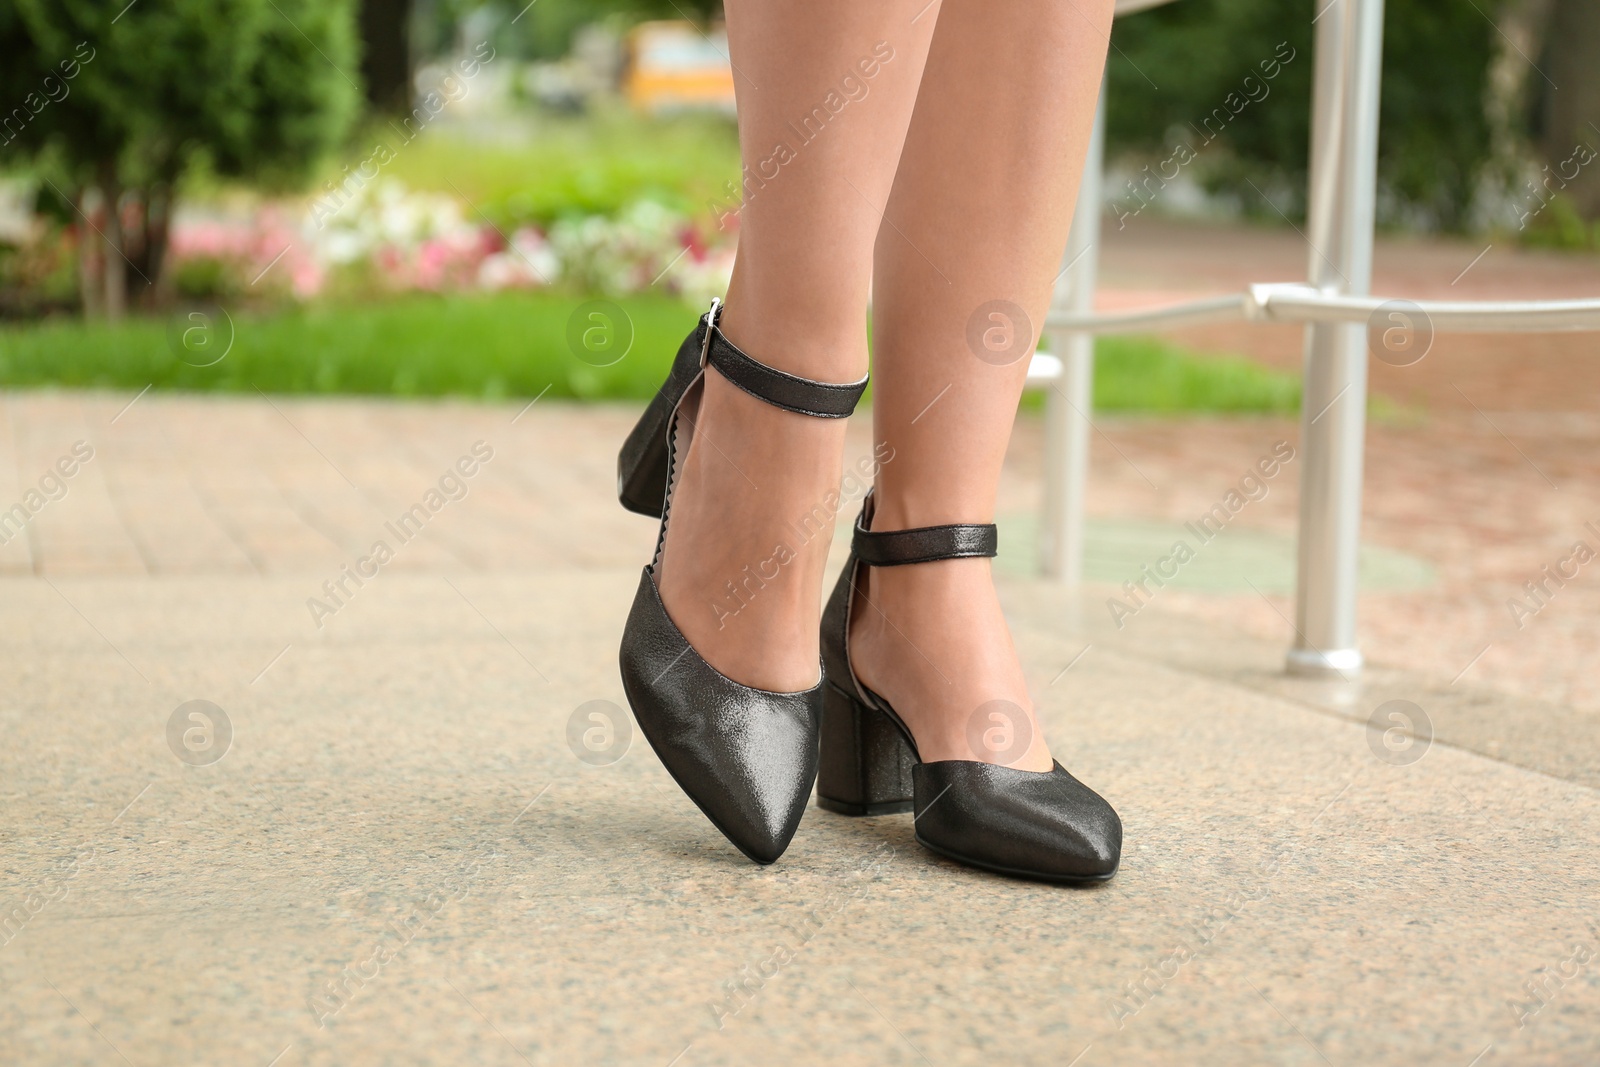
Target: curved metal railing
{"points": [[1333, 304], [1296, 302]]}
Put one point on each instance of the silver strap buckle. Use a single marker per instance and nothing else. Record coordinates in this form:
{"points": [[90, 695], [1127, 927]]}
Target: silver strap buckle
{"points": [[711, 324]]}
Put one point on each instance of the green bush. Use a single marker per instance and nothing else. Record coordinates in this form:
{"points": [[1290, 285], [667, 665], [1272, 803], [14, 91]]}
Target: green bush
{"points": [[201, 278], [1559, 225], [1172, 66], [119, 101]]}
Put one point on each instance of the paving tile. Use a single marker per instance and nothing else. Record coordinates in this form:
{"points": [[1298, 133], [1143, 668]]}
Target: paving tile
{"points": [[397, 814], [400, 786]]}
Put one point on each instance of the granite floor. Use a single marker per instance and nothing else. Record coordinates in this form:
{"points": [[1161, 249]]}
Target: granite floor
{"points": [[382, 838]]}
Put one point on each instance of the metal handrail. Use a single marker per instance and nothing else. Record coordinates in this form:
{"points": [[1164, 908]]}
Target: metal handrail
{"points": [[1334, 303], [1189, 313], [1298, 302], [1295, 302]]}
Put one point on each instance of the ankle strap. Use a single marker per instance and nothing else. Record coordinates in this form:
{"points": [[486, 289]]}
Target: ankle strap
{"points": [[894, 548], [803, 396]]}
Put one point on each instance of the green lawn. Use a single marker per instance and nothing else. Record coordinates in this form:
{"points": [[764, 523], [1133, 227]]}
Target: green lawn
{"points": [[1148, 374], [513, 344], [594, 165]]}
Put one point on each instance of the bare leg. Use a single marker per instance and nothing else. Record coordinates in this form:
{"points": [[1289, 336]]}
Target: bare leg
{"points": [[979, 214], [825, 92]]}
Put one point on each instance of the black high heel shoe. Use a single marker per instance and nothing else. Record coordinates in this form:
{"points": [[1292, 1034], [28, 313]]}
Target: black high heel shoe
{"points": [[1033, 824], [747, 757]]}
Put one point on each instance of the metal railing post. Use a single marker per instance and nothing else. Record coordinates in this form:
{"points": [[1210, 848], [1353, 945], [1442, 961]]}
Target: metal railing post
{"points": [[1349, 47], [1069, 400]]}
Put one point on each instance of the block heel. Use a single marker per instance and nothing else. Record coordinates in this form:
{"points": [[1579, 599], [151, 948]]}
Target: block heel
{"points": [[642, 460], [866, 762], [1044, 825]]}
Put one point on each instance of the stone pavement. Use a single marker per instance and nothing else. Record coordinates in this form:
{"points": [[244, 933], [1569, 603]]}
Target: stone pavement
{"points": [[1481, 458], [385, 847]]}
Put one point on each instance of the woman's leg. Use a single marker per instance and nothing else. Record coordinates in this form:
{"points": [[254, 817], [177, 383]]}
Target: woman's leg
{"points": [[975, 227], [825, 92]]}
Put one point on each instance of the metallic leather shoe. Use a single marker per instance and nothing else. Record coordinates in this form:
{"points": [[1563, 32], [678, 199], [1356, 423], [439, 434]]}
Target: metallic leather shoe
{"points": [[1045, 825], [747, 757]]}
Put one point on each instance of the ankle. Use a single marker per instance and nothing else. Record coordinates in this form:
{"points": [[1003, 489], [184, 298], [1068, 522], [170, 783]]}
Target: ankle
{"points": [[824, 345], [789, 449], [913, 507], [917, 595]]}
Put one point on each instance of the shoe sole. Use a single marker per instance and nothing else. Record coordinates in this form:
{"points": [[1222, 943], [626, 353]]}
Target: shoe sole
{"points": [[844, 807], [1012, 872]]}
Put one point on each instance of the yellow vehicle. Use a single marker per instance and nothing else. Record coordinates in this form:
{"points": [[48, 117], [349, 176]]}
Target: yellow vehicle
{"points": [[678, 66]]}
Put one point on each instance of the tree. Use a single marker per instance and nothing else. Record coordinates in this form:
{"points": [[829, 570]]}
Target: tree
{"points": [[1172, 66], [386, 53], [119, 101], [1570, 116], [1543, 104]]}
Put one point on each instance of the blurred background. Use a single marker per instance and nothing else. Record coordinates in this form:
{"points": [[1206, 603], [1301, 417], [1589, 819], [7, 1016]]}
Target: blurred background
{"points": [[410, 197], [435, 169]]}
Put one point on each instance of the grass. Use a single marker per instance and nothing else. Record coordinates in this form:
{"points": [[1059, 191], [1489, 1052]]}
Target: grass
{"points": [[594, 165], [1148, 374], [487, 346], [512, 344]]}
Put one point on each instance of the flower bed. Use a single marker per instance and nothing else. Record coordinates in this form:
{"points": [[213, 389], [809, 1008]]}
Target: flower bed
{"points": [[386, 239]]}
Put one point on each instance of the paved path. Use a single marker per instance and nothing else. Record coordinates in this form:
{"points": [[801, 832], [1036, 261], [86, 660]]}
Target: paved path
{"points": [[1482, 458], [399, 857]]}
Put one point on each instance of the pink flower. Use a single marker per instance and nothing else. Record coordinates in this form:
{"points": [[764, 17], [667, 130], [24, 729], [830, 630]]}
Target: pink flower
{"points": [[306, 277]]}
